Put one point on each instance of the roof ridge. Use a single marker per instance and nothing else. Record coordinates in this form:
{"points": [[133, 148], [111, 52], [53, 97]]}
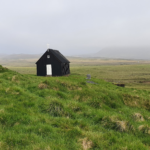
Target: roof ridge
{"points": [[56, 54]]}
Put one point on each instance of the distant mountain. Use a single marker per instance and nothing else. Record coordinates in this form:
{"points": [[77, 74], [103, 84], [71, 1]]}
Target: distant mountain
{"points": [[122, 53], [18, 60], [20, 56], [2, 55], [142, 53]]}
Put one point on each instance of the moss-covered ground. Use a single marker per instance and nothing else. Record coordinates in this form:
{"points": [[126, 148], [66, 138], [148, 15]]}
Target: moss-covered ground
{"points": [[67, 113]]}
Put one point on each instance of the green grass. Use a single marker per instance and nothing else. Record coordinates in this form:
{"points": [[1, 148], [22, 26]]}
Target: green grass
{"points": [[133, 76], [67, 113]]}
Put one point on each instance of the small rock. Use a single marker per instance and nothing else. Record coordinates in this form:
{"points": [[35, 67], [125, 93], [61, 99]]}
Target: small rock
{"points": [[88, 76]]}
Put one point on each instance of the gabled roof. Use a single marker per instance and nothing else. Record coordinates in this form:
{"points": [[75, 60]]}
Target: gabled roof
{"points": [[58, 56]]}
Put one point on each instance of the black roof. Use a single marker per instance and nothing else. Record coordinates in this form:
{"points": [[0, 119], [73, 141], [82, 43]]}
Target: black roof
{"points": [[58, 55]]}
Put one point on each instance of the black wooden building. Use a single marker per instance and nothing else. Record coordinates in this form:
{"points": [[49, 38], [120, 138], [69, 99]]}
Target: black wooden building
{"points": [[52, 63]]}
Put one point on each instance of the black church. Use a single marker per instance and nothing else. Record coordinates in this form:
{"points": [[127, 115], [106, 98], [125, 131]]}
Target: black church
{"points": [[52, 63]]}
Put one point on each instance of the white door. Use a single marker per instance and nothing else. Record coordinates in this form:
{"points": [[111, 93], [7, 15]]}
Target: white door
{"points": [[49, 70]]}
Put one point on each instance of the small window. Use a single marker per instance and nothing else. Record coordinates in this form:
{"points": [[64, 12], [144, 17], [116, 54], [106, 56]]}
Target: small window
{"points": [[48, 56]]}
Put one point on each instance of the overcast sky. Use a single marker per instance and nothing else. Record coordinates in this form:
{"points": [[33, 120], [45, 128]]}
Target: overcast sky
{"points": [[73, 26]]}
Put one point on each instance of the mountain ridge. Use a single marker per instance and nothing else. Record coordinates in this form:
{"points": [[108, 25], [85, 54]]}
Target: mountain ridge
{"points": [[142, 53]]}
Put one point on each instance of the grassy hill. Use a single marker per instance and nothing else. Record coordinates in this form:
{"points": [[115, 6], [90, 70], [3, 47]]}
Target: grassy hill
{"points": [[67, 113]]}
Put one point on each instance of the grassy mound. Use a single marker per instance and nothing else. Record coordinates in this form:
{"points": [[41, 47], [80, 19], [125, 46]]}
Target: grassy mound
{"points": [[47, 113], [2, 69]]}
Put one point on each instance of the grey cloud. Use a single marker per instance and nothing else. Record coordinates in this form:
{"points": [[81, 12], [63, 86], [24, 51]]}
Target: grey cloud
{"points": [[73, 27]]}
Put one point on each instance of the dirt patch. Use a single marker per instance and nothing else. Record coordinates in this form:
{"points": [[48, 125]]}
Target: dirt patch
{"points": [[123, 126], [42, 86], [86, 144], [144, 129], [138, 117], [119, 125]]}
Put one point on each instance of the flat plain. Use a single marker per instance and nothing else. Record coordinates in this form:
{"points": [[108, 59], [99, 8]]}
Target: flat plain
{"points": [[132, 73]]}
